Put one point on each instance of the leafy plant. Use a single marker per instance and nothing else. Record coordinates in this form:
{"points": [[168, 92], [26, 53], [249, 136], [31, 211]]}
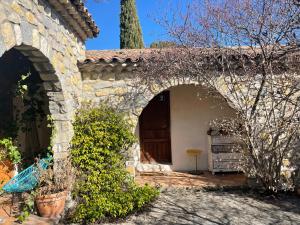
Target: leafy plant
{"points": [[3, 154], [9, 150], [27, 207], [104, 189]]}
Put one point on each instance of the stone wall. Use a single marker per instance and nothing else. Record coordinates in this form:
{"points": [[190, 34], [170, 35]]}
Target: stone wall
{"points": [[42, 35], [117, 84]]}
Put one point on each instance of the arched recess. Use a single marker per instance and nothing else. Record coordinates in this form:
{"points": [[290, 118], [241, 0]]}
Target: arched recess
{"points": [[52, 88], [192, 107], [140, 96]]}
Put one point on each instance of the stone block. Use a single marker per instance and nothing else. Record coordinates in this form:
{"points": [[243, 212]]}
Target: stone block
{"points": [[52, 86], [41, 29], [44, 46], [31, 18], [102, 84], [27, 4], [26, 29], [43, 67], [14, 18], [17, 8], [35, 38], [103, 92], [8, 35], [48, 76], [120, 83], [18, 34]]}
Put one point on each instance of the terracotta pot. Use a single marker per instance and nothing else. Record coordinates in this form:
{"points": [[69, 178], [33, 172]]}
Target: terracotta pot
{"points": [[6, 172], [51, 206]]}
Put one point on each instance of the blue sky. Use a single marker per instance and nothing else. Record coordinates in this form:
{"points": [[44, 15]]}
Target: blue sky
{"points": [[106, 15]]}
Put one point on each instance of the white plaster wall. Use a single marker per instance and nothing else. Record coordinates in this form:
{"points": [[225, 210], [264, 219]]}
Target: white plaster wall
{"points": [[191, 112]]}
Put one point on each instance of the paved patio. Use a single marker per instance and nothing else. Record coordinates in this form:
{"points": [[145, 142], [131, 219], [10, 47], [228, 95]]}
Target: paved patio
{"points": [[172, 179], [178, 206], [177, 179]]}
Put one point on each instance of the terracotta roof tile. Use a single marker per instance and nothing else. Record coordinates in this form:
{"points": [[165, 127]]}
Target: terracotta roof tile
{"points": [[121, 56], [135, 55]]}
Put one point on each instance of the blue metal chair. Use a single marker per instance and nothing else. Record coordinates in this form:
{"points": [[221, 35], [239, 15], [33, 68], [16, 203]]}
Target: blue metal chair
{"points": [[27, 179]]}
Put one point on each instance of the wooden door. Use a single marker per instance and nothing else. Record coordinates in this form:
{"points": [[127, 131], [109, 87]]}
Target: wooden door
{"points": [[154, 126]]}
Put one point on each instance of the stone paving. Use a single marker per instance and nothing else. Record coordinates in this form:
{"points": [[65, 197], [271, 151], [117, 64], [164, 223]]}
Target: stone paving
{"points": [[184, 200], [196, 206]]}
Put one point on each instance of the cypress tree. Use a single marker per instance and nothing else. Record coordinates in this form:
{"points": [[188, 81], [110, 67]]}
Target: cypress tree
{"points": [[131, 32]]}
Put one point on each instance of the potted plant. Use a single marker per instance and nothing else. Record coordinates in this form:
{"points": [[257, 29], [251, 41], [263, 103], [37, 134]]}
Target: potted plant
{"points": [[54, 186], [10, 157]]}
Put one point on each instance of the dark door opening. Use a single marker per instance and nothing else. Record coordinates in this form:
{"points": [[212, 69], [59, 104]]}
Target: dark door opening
{"points": [[154, 124]]}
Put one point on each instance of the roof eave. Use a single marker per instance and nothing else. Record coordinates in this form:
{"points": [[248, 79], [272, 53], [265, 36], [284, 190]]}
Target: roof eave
{"points": [[77, 16]]}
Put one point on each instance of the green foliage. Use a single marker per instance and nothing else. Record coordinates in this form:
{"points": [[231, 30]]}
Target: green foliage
{"points": [[131, 36], [10, 151], [28, 88], [22, 87], [163, 44], [27, 207], [103, 188]]}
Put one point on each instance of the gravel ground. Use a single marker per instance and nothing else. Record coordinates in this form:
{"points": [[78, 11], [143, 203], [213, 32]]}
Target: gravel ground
{"points": [[192, 206]]}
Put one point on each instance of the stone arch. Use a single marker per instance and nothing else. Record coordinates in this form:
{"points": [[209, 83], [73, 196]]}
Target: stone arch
{"points": [[144, 94], [39, 32], [53, 88], [148, 94]]}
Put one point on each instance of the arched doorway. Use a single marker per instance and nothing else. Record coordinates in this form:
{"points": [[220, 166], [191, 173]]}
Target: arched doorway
{"points": [[175, 120]]}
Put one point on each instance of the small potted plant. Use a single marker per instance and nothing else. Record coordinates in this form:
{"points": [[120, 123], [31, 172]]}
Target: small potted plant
{"points": [[10, 157], [54, 186]]}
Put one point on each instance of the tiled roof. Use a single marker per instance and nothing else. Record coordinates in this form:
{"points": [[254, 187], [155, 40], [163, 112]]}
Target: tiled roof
{"points": [[136, 55], [78, 17], [120, 56]]}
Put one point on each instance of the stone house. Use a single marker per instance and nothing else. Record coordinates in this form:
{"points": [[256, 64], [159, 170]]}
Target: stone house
{"points": [[48, 37]]}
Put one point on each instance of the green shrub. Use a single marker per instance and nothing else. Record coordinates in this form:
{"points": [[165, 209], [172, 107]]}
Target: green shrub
{"points": [[103, 188], [8, 150]]}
